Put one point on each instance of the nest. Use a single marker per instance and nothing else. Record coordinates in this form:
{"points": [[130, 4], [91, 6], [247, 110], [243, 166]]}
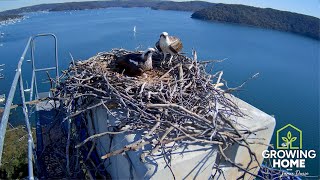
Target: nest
{"points": [[172, 103]]}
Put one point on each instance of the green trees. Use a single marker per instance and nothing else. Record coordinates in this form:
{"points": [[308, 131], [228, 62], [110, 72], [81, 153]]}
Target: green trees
{"points": [[260, 17]]}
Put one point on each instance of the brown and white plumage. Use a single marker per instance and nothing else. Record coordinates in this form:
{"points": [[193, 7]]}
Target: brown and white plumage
{"points": [[169, 45], [135, 64]]}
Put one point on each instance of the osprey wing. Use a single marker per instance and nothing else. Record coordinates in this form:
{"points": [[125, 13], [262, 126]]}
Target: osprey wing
{"points": [[130, 63], [124, 60], [175, 45], [158, 46]]}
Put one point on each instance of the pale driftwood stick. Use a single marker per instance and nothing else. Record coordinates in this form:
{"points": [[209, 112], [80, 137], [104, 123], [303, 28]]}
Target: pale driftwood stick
{"points": [[73, 62], [152, 130], [142, 88], [106, 107], [29, 103], [161, 139], [114, 89], [131, 147], [138, 145], [181, 76], [83, 110], [178, 107], [230, 90], [195, 56], [218, 81], [167, 73], [97, 136], [188, 85], [134, 146], [196, 140], [247, 131], [212, 61], [86, 79]]}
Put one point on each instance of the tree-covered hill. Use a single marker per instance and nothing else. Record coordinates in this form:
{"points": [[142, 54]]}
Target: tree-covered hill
{"points": [[159, 5], [265, 18]]}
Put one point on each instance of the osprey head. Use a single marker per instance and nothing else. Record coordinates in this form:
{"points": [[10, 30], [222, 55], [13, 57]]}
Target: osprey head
{"points": [[148, 52], [151, 50], [164, 34]]}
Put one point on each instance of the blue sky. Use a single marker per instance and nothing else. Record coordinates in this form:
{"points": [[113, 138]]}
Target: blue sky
{"points": [[309, 7]]}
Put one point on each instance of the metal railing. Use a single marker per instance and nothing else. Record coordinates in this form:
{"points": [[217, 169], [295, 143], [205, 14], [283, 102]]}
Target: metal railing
{"points": [[18, 79]]}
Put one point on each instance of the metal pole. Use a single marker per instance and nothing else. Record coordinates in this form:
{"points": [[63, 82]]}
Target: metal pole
{"points": [[30, 139], [34, 78], [30, 164], [56, 57], [56, 60], [33, 73], [31, 88], [6, 113]]}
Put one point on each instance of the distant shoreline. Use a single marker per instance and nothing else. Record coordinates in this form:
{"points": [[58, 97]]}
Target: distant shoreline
{"points": [[10, 17], [266, 18]]}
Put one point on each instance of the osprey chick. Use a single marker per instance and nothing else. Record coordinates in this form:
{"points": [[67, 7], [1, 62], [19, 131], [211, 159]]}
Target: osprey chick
{"points": [[135, 64]]}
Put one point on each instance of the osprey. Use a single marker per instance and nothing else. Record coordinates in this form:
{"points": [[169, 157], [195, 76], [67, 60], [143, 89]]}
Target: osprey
{"points": [[135, 64], [169, 44]]}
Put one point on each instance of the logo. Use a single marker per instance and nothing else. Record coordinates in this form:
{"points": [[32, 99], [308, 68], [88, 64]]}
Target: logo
{"points": [[289, 153], [289, 137]]}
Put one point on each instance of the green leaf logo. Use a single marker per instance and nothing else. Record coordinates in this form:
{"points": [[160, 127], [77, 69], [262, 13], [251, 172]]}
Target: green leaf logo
{"points": [[289, 139], [293, 139], [285, 139], [289, 135]]}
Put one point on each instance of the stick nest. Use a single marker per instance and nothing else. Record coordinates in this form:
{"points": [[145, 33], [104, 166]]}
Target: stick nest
{"points": [[176, 103]]}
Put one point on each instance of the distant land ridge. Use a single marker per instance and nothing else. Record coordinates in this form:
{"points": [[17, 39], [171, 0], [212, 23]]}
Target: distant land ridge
{"points": [[227, 13], [262, 17]]}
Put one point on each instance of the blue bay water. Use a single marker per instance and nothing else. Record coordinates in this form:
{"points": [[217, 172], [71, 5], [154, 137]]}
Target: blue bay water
{"points": [[288, 85]]}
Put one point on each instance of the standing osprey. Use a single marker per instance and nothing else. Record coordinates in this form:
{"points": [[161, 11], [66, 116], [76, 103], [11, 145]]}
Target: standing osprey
{"points": [[169, 44], [135, 64]]}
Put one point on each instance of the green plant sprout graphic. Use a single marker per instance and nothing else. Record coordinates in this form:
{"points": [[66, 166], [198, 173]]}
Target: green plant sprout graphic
{"points": [[289, 139]]}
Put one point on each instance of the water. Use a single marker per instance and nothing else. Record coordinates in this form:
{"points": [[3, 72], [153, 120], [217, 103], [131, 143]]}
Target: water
{"points": [[288, 64]]}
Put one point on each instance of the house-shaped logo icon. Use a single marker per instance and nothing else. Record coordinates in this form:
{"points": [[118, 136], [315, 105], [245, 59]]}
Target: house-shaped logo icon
{"points": [[289, 137]]}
